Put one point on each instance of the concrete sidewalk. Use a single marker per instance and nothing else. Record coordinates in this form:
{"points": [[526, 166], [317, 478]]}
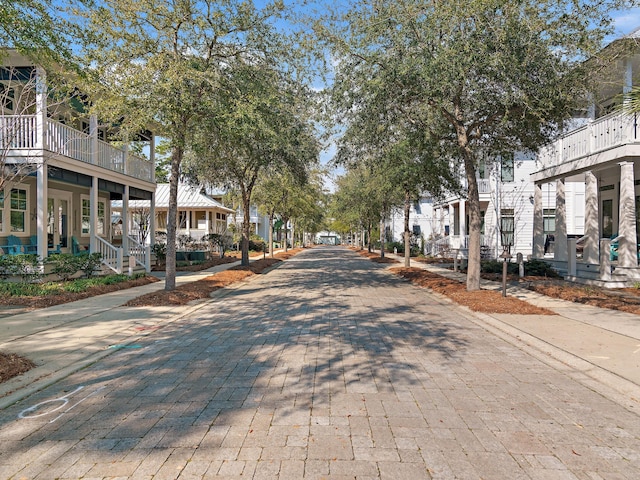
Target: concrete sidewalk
{"points": [[602, 344]]}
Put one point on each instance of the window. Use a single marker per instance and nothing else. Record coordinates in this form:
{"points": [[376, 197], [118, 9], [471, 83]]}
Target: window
{"points": [[506, 172], [18, 206], [507, 224], [85, 220], [549, 220], [416, 229], [1, 210]]}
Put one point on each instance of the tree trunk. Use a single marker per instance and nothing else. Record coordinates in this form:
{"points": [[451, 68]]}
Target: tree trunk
{"points": [[246, 228], [271, 235], [407, 234], [172, 217], [369, 230], [382, 239], [293, 235], [473, 263], [285, 221]]}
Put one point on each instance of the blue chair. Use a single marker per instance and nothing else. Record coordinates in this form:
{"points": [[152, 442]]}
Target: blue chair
{"points": [[76, 248], [13, 246], [32, 247]]}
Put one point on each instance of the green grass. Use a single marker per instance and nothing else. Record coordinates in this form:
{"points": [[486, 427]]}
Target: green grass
{"points": [[20, 289]]}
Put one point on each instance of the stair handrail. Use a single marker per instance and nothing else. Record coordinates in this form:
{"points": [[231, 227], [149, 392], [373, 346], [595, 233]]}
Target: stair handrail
{"points": [[111, 255], [141, 253]]}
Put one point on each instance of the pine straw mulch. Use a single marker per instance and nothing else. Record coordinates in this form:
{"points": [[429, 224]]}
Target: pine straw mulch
{"points": [[202, 289], [12, 365], [624, 299], [374, 257], [486, 301]]}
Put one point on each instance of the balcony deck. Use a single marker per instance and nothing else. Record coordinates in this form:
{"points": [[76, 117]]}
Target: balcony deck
{"points": [[18, 138], [607, 139]]}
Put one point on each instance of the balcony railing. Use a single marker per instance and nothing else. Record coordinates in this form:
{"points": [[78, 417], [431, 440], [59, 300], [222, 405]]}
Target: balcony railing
{"points": [[19, 132], [613, 130]]}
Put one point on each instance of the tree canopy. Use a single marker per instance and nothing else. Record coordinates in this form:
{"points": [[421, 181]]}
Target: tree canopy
{"points": [[484, 77]]}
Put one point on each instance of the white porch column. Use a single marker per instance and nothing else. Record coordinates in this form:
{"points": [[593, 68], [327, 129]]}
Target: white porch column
{"points": [[41, 209], [93, 215], [125, 219], [560, 246], [591, 229], [207, 221], [152, 220], [463, 224], [627, 245], [41, 173], [538, 222]]}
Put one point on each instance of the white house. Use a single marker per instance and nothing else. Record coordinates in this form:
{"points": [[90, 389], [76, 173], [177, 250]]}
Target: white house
{"points": [[198, 213], [60, 174], [506, 206], [603, 156], [421, 221]]}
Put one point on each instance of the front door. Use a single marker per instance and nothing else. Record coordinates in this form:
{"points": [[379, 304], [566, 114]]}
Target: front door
{"points": [[58, 219]]}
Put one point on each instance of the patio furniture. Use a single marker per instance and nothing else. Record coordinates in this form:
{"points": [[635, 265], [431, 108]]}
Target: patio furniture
{"points": [[76, 248], [13, 246], [32, 247]]}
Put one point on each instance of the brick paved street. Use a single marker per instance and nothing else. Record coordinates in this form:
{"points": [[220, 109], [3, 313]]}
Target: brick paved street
{"points": [[327, 367]]}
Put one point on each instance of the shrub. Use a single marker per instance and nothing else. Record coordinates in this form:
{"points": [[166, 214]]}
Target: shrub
{"points": [[539, 268], [27, 267], [495, 266], [256, 243], [65, 265], [89, 264], [160, 251]]}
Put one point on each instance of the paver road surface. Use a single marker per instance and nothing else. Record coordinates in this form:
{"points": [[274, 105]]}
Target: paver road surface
{"points": [[327, 367]]}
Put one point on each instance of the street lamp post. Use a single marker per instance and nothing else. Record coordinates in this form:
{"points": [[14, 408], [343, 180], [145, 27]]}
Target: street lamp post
{"points": [[506, 237]]}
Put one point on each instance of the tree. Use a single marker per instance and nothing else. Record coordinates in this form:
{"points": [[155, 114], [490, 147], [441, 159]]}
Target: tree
{"points": [[263, 126], [159, 66], [36, 28], [484, 77]]}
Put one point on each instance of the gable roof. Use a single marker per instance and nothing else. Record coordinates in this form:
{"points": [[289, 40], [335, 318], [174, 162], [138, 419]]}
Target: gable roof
{"points": [[189, 196]]}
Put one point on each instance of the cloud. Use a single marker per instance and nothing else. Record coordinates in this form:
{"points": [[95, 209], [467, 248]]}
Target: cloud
{"points": [[626, 21]]}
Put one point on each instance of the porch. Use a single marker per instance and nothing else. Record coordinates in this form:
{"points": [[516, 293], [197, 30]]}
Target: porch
{"points": [[605, 156]]}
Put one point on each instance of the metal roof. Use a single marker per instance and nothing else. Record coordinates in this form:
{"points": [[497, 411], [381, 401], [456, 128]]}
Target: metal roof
{"points": [[188, 197]]}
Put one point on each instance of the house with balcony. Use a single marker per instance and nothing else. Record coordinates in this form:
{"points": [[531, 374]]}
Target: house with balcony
{"points": [[601, 153], [507, 210], [60, 173], [198, 214]]}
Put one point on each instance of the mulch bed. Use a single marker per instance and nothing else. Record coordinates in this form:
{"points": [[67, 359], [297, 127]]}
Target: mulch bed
{"points": [[486, 301], [66, 297], [202, 289], [374, 257], [12, 365]]}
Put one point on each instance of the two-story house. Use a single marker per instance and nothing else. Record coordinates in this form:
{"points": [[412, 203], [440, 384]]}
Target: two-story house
{"points": [[507, 209], [61, 174], [603, 155]]}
